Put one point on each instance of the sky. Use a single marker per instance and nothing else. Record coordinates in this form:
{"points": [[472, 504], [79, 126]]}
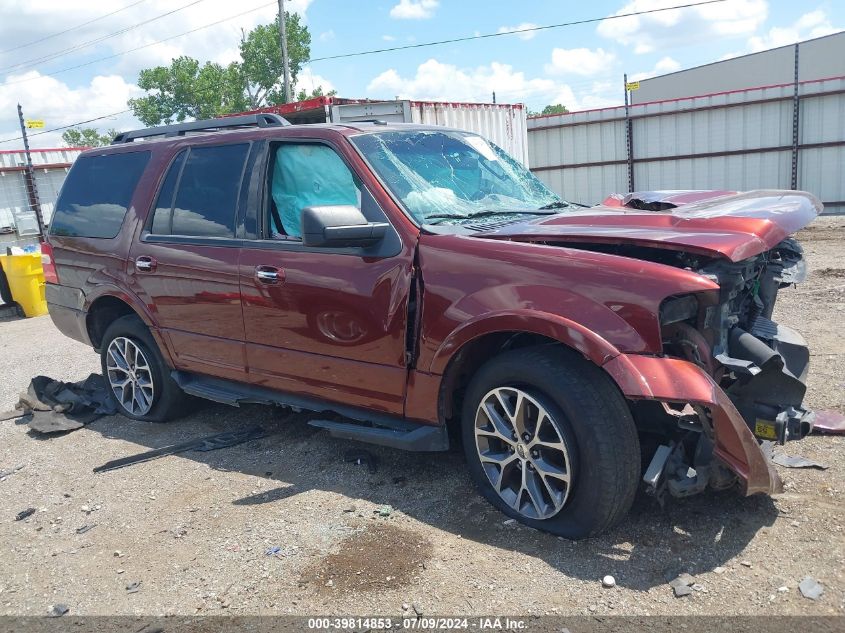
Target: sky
{"points": [[52, 51]]}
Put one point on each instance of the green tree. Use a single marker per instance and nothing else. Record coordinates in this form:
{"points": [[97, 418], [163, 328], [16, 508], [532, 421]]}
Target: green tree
{"points": [[189, 89], [87, 137], [557, 108]]}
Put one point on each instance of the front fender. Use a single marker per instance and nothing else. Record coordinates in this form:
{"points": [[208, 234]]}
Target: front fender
{"points": [[551, 326], [675, 380]]}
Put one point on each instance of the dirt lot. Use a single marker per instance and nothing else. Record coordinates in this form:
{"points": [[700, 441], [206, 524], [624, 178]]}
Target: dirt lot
{"points": [[195, 529]]}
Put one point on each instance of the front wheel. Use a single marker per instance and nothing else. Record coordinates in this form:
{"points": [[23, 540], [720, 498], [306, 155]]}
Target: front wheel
{"points": [[137, 376], [550, 441]]}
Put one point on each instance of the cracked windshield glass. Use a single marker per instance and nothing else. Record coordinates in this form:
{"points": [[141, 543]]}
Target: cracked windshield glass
{"points": [[450, 177]]}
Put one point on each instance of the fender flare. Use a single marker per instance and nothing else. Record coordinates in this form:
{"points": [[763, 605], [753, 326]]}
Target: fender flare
{"points": [[552, 326]]}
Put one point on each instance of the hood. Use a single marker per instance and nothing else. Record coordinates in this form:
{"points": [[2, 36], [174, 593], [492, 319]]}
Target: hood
{"points": [[735, 226]]}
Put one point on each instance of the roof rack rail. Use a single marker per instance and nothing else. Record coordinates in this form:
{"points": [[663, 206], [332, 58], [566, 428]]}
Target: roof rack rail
{"points": [[179, 129]]}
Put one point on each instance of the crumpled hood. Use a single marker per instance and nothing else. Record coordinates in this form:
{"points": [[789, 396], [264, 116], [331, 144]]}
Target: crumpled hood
{"points": [[732, 225]]}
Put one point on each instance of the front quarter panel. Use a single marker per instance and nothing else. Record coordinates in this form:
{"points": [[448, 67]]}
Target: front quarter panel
{"points": [[599, 304]]}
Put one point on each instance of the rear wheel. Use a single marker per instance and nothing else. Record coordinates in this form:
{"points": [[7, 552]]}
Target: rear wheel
{"points": [[550, 441], [137, 376]]}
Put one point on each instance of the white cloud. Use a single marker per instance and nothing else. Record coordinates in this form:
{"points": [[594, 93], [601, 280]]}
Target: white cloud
{"points": [[663, 66], [579, 61], [308, 81], [810, 25], [388, 38], [520, 27], [58, 104], [414, 10], [325, 36], [25, 21], [681, 27], [438, 81]]}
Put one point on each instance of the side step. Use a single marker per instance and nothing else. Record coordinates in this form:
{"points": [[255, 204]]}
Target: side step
{"points": [[363, 425], [417, 438]]}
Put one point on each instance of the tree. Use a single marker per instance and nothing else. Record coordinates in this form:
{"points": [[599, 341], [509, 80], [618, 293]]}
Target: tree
{"points": [[557, 108], [188, 88], [87, 137]]}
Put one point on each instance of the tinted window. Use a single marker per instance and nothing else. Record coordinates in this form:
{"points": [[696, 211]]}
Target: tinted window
{"points": [[207, 195], [97, 193], [164, 203]]}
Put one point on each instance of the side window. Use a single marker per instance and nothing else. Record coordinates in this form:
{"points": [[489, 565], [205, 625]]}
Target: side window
{"points": [[307, 175], [97, 194], [163, 211], [205, 201]]}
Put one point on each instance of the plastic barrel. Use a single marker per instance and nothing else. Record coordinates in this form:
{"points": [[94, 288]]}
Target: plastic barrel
{"points": [[26, 281]]}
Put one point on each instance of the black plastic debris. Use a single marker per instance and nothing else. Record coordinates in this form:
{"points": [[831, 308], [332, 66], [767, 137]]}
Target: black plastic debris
{"points": [[362, 457], [210, 443], [53, 406], [10, 471], [85, 528], [23, 514], [796, 461]]}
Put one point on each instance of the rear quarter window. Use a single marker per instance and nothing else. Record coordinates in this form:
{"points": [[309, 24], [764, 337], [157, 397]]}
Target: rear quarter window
{"points": [[97, 194]]}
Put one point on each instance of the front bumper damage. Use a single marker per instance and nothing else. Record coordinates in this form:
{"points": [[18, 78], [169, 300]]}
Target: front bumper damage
{"points": [[680, 382]]}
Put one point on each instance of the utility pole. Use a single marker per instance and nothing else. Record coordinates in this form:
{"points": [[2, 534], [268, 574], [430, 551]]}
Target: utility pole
{"points": [[29, 177], [283, 39]]}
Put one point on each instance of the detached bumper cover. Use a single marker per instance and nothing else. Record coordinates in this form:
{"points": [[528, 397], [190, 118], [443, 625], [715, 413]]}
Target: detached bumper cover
{"points": [[675, 380]]}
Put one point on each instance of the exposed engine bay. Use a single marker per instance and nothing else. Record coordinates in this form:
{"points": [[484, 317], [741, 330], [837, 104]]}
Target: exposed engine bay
{"points": [[761, 365]]}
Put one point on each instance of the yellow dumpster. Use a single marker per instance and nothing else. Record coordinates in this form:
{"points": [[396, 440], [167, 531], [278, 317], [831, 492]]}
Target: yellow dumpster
{"points": [[26, 281]]}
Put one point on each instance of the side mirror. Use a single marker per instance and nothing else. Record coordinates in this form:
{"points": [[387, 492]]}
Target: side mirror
{"points": [[339, 226]]}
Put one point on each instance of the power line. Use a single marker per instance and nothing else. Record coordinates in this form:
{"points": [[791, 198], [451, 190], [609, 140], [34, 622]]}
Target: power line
{"points": [[64, 127], [138, 48], [55, 55], [514, 32], [73, 28]]}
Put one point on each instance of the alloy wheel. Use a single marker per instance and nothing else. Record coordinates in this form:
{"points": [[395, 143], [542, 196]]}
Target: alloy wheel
{"points": [[129, 376], [523, 452]]}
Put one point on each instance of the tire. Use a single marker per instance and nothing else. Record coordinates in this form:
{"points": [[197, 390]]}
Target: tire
{"points": [[159, 398], [587, 434]]}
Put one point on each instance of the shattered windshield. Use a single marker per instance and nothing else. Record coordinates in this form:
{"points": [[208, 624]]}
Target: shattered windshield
{"points": [[447, 177]]}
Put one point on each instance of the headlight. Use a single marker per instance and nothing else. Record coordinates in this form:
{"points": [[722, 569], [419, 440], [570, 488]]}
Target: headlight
{"points": [[675, 309]]}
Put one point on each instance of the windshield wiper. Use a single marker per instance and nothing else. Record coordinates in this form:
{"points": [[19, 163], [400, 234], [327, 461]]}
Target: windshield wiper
{"points": [[486, 214], [562, 204]]}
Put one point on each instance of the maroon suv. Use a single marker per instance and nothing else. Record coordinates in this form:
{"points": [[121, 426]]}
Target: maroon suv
{"points": [[415, 280]]}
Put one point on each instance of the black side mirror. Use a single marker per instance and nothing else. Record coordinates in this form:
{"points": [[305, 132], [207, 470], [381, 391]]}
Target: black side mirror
{"points": [[339, 226]]}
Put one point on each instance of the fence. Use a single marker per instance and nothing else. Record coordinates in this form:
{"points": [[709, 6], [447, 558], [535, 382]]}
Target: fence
{"points": [[20, 191], [788, 136]]}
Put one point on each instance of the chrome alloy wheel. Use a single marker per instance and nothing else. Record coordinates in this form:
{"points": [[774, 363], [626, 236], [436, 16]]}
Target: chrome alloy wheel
{"points": [[523, 453], [129, 376]]}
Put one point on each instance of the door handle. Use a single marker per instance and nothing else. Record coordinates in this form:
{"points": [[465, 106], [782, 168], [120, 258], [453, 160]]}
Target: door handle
{"points": [[145, 264], [269, 274]]}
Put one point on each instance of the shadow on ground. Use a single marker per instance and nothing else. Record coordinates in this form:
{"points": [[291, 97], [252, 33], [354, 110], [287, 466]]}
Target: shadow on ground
{"points": [[693, 535]]}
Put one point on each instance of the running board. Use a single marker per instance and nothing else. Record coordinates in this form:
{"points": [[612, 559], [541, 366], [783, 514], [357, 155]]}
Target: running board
{"points": [[363, 425], [417, 438]]}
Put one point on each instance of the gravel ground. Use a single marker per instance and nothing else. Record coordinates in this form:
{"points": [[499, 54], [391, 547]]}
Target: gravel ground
{"points": [[194, 530]]}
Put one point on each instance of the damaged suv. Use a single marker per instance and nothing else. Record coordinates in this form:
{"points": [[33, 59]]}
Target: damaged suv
{"points": [[419, 286]]}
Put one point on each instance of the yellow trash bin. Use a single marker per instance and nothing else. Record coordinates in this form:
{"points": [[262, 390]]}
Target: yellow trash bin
{"points": [[26, 281]]}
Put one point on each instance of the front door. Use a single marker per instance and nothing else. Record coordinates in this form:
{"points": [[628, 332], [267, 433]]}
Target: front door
{"points": [[185, 265], [321, 322]]}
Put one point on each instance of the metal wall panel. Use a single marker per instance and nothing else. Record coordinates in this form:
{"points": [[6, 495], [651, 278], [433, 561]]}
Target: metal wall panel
{"points": [[739, 140]]}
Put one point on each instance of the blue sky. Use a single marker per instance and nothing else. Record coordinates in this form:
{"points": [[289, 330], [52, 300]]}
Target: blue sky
{"points": [[580, 66]]}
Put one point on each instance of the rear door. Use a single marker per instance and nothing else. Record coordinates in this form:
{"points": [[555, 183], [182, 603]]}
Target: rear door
{"points": [[185, 264], [323, 322]]}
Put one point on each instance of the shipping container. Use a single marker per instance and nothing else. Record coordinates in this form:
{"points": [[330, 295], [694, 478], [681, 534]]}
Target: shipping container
{"points": [[504, 124]]}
